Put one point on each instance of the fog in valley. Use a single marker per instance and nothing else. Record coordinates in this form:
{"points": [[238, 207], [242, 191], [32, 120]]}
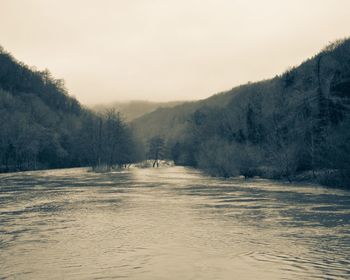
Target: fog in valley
{"points": [[175, 139]]}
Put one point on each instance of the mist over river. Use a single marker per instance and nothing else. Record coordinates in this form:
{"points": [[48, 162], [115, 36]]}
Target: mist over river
{"points": [[169, 223]]}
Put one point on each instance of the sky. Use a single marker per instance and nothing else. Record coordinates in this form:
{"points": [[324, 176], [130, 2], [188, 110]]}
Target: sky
{"points": [[162, 50]]}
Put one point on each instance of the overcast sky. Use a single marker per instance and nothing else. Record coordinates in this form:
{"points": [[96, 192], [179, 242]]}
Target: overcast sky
{"points": [[109, 50]]}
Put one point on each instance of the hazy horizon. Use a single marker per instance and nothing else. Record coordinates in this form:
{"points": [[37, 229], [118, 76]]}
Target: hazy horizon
{"points": [[163, 51]]}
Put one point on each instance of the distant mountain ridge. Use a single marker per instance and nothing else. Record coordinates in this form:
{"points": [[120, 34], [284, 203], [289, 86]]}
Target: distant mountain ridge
{"points": [[134, 109], [171, 122]]}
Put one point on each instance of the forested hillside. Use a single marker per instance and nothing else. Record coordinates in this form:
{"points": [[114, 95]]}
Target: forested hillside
{"points": [[41, 126], [295, 124], [171, 123]]}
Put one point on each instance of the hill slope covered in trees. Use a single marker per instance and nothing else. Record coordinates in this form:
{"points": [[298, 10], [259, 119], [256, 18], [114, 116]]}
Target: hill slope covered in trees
{"points": [[295, 123], [41, 126]]}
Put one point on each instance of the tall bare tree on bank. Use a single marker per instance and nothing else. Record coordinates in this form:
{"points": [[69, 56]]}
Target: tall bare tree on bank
{"points": [[156, 150]]}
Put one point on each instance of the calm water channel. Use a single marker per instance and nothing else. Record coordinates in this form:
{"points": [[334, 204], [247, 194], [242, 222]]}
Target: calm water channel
{"points": [[169, 223]]}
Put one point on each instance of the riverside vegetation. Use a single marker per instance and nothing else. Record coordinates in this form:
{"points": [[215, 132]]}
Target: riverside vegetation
{"points": [[295, 125]]}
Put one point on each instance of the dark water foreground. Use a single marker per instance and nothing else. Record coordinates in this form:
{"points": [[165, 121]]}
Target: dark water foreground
{"points": [[169, 223]]}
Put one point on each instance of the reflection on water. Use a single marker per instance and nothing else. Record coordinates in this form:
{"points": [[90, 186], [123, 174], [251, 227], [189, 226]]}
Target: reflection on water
{"points": [[169, 223]]}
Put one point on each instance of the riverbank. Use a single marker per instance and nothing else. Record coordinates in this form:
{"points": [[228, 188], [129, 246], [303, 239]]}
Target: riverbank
{"points": [[326, 178]]}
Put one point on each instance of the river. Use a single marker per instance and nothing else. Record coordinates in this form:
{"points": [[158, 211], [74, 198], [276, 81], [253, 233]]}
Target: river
{"points": [[169, 223]]}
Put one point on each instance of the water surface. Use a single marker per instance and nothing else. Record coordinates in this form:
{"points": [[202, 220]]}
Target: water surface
{"points": [[169, 223]]}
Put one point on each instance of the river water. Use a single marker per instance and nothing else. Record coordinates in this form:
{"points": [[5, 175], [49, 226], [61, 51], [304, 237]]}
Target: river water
{"points": [[169, 223]]}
